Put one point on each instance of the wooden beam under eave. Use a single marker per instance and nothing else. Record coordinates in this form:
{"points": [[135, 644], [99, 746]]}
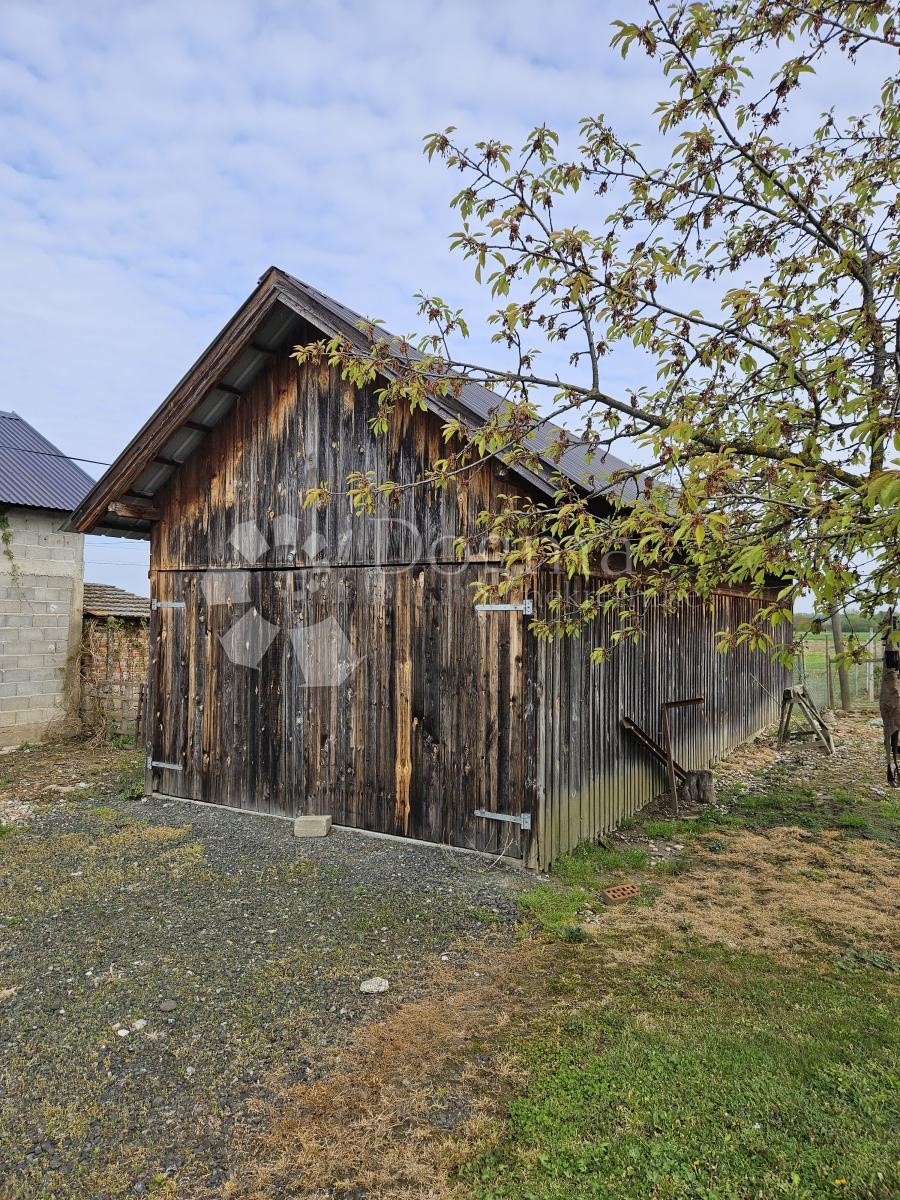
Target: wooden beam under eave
{"points": [[216, 361], [134, 512]]}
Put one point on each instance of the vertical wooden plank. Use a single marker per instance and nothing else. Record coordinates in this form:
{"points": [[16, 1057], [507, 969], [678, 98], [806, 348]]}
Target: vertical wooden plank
{"points": [[403, 705], [554, 781], [531, 674]]}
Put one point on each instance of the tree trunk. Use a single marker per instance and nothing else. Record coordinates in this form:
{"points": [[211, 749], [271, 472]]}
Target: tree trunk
{"points": [[843, 675]]}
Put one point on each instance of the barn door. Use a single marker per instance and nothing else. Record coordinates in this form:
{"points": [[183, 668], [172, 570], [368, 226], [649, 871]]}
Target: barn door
{"points": [[459, 756], [167, 749]]}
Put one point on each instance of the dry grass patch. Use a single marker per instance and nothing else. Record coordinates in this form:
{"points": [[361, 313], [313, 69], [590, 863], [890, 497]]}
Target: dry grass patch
{"points": [[397, 1110], [35, 777], [781, 891]]}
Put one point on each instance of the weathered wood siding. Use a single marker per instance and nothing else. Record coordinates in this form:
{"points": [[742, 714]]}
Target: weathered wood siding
{"points": [[428, 723], [589, 773], [294, 429], [407, 728], [377, 693]]}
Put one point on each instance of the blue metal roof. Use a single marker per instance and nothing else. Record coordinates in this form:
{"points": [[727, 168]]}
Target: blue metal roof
{"points": [[33, 473]]}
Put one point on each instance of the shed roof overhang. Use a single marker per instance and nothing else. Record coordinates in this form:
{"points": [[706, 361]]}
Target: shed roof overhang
{"points": [[123, 501]]}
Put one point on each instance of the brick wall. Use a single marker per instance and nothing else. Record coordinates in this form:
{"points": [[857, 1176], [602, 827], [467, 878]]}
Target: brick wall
{"points": [[40, 626], [114, 655]]}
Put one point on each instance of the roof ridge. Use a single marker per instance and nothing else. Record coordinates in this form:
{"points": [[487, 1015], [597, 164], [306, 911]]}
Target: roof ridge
{"points": [[590, 467]]}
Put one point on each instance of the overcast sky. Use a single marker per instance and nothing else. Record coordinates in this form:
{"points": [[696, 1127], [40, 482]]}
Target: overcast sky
{"points": [[156, 157]]}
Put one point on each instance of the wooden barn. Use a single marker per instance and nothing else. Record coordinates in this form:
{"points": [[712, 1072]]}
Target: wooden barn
{"points": [[309, 660]]}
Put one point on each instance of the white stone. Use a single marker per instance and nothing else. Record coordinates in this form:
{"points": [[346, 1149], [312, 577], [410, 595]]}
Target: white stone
{"points": [[374, 986]]}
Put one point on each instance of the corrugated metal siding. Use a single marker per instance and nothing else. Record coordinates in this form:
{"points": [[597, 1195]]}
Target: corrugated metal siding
{"points": [[33, 473], [590, 772]]}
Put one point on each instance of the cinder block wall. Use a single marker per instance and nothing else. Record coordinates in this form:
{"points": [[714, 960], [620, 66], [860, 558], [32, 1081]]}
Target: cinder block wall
{"points": [[41, 593]]}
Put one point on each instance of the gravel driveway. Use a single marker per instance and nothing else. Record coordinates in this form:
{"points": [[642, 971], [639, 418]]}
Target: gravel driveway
{"points": [[162, 964]]}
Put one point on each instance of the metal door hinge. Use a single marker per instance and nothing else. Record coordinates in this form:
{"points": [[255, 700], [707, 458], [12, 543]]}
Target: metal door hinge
{"points": [[525, 607], [153, 765], [155, 604], [524, 819]]}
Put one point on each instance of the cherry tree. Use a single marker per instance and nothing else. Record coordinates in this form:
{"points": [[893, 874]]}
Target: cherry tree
{"points": [[754, 263]]}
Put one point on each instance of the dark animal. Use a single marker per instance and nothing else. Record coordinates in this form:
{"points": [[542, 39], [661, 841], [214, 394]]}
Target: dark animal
{"points": [[889, 703]]}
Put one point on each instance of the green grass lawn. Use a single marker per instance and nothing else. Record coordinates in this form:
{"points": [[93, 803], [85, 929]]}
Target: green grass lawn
{"points": [[818, 658], [710, 1075], [681, 1069], [732, 1034]]}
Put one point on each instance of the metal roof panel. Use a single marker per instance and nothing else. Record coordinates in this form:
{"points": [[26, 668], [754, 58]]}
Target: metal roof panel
{"points": [[33, 472]]}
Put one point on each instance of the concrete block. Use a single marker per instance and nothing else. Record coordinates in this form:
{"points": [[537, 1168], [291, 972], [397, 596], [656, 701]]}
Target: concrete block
{"points": [[50, 620], [52, 596], [41, 674], [32, 717], [312, 826], [17, 674]]}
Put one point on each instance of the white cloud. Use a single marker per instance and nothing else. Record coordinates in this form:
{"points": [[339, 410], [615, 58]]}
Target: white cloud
{"points": [[158, 156]]}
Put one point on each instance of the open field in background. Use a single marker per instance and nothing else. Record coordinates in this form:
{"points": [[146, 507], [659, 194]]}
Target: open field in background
{"points": [[732, 1033], [818, 662]]}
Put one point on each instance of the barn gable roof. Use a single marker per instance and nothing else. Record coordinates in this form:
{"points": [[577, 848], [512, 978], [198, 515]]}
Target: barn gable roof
{"points": [[33, 473], [122, 501]]}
